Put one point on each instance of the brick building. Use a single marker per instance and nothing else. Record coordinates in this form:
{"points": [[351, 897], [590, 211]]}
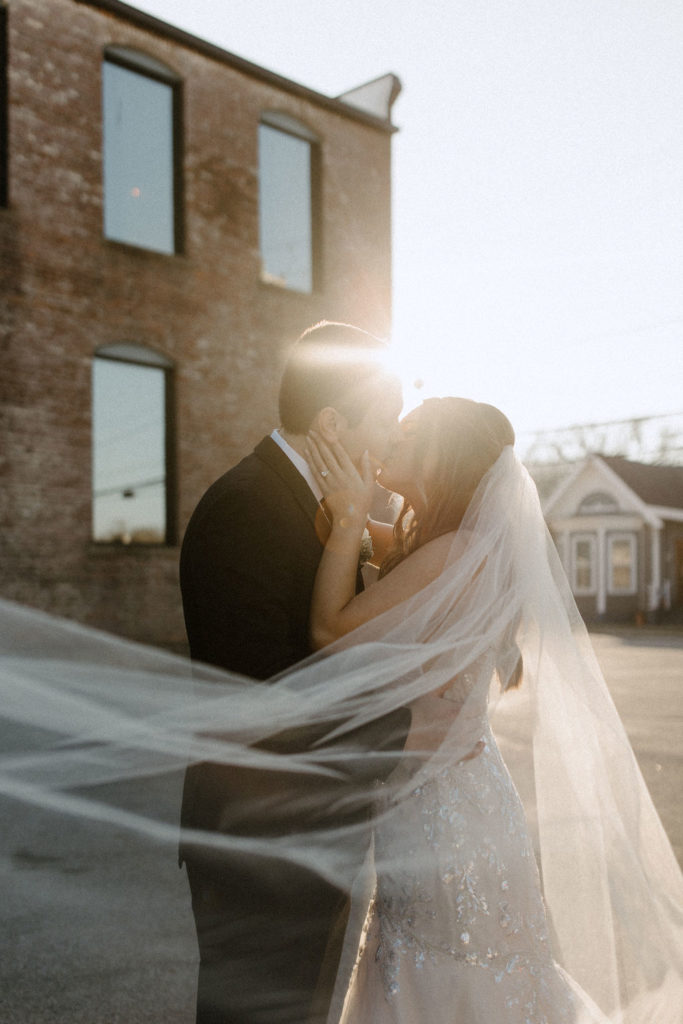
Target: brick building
{"points": [[171, 217]]}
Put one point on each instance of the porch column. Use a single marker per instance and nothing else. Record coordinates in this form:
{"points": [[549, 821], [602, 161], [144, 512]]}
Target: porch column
{"points": [[655, 585], [601, 558]]}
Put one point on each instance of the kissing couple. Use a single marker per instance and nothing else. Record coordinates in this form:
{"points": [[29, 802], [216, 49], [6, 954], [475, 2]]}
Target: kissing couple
{"points": [[357, 851]]}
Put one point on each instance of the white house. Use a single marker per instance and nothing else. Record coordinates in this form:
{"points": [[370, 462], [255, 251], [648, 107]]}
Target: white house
{"points": [[618, 526]]}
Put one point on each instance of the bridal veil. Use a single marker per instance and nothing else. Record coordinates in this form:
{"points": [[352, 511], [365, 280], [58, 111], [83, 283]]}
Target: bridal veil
{"points": [[86, 716]]}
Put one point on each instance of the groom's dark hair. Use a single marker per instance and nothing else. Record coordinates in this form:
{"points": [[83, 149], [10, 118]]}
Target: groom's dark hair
{"points": [[331, 364]]}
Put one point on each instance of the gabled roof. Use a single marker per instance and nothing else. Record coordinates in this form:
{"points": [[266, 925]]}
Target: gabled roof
{"points": [[589, 475], [655, 485], [654, 492]]}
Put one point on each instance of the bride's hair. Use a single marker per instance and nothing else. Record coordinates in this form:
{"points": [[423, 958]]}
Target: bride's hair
{"points": [[460, 440]]}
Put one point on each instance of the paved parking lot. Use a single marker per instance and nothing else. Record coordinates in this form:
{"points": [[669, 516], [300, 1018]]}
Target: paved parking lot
{"points": [[644, 672]]}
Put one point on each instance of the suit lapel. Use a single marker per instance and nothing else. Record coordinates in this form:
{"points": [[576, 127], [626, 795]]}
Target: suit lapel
{"points": [[273, 456]]}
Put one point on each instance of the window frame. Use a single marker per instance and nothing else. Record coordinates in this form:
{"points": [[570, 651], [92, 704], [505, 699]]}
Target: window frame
{"points": [[291, 126], [592, 589], [146, 66], [598, 503], [632, 587], [132, 354]]}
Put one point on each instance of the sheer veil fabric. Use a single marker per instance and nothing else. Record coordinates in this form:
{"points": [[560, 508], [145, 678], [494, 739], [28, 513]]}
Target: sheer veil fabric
{"points": [[86, 711]]}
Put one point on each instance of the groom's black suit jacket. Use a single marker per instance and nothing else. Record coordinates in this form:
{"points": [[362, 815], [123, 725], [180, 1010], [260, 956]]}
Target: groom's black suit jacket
{"points": [[247, 568]]}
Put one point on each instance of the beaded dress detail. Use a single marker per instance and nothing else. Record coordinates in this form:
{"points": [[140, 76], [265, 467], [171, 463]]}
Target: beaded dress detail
{"points": [[457, 930]]}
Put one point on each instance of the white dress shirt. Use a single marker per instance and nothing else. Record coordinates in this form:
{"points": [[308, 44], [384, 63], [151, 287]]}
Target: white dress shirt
{"points": [[299, 462]]}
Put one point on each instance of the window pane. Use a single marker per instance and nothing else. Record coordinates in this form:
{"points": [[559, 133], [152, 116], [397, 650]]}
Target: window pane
{"points": [[583, 563], [596, 503], [138, 159], [621, 564], [129, 460], [286, 228]]}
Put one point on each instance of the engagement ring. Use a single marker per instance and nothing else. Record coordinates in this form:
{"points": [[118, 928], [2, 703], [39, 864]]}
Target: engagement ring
{"points": [[324, 472]]}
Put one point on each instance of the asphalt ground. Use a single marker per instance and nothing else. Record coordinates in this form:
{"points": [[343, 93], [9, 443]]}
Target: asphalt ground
{"points": [[95, 922], [644, 671]]}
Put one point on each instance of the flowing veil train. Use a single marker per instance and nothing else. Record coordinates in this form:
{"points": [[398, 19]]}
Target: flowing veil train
{"points": [[84, 713]]}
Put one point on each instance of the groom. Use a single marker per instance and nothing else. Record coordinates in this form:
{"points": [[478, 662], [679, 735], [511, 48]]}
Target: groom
{"points": [[270, 932]]}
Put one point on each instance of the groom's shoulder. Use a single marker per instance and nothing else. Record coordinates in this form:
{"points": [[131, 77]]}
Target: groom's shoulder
{"points": [[255, 470], [245, 473], [253, 477]]}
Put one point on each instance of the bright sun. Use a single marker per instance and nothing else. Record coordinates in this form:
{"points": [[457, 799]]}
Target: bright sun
{"points": [[417, 377]]}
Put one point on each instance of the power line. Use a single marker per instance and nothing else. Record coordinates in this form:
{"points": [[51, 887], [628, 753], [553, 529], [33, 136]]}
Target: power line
{"points": [[128, 490], [656, 438], [602, 423]]}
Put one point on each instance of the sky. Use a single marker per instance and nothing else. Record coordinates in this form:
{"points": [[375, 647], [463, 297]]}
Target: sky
{"points": [[537, 186]]}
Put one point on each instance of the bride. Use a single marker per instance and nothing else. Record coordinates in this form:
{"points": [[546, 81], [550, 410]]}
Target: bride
{"points": [[457, 931]]}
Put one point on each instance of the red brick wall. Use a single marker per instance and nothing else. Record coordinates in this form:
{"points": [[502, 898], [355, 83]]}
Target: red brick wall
{"points": [[65, 291]]}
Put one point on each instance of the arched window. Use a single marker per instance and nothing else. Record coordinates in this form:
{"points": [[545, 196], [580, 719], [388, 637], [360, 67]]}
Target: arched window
{"points": [[598, 503], [132, 446], [142, 144], [288, 202]]}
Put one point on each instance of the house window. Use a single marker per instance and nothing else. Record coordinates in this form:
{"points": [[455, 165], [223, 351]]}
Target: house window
{"points": [[621, 553], [132, 446], [141, 151], [287, 203], [598, 503], [4, 105], [583, 564]]}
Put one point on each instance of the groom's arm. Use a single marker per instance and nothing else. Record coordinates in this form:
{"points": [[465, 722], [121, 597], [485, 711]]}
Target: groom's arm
{"points": [[364, 754]]}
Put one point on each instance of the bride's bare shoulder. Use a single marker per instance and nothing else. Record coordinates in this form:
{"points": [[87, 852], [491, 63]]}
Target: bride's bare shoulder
{"points": [[429, 559]]}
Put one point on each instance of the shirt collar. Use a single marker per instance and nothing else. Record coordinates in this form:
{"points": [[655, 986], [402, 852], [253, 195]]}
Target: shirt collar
{"points": [[299, 462]]}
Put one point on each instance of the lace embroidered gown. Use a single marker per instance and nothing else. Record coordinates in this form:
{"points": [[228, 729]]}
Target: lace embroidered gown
{"points": [[457, 931]]}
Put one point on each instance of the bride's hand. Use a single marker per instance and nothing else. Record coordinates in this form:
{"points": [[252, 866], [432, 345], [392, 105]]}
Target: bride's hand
{"points": [[347, 492]]}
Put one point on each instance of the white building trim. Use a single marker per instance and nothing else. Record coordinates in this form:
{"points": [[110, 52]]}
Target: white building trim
{"points": [[674, 515], [628, 497], [654, 588], [583, 524], [601, 601], [566, 485], [625, 495]]}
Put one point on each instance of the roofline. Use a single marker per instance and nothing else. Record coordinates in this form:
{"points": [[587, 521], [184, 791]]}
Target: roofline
{"points": [[665, 512], [648, 512], [626, 489], [213, 52], [564, 485]]}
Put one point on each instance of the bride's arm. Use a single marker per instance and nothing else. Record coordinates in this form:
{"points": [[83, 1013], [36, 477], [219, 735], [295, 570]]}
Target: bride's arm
{"points": [[335, 608]]}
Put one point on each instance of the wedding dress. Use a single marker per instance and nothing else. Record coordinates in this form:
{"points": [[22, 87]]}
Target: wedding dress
{"points": [[457, 930]]}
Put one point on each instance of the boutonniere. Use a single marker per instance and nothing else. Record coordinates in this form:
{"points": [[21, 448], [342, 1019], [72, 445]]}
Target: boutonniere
{"points": [[366, 551]]}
